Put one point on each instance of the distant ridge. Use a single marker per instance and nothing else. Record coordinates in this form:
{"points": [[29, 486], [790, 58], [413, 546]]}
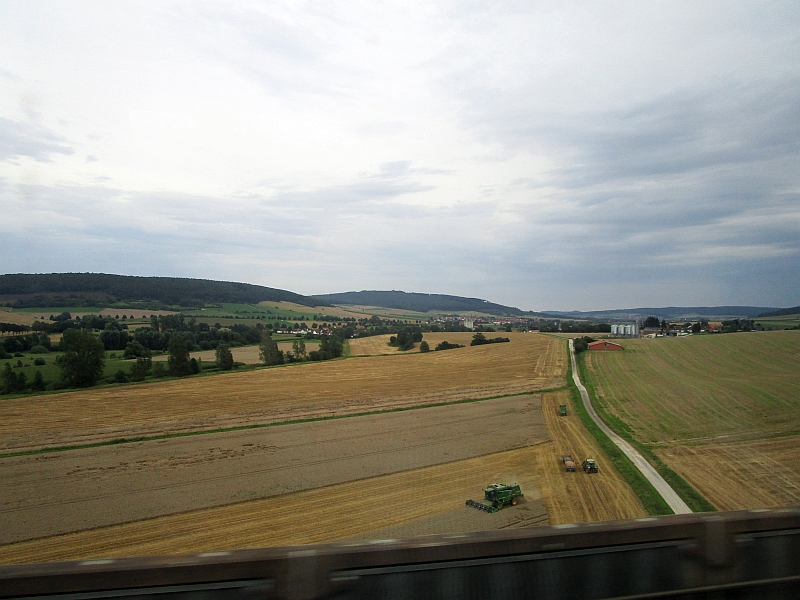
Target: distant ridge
{"points": [[89, 289], [418, 302], [795, 310], [668, 312]]}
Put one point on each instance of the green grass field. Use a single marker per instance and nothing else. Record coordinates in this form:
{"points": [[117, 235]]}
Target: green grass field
{"points": [[52, 372], [782, 322]]}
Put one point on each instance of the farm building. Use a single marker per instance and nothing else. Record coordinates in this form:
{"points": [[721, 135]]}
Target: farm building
{"points": [[604, 345]]}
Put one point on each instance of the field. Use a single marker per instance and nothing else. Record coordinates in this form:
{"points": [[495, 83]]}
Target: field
{"points": [[48, 494], [723, 411], [782, 322], [320, 515], [576, 497], [395, 474], [244, 354], [307, 390]]}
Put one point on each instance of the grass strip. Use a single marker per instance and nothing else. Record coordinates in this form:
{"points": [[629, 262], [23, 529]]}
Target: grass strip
{"points": [[694, 499], [166, 436], [653, 503]]}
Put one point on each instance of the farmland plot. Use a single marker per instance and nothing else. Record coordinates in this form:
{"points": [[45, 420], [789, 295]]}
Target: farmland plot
{"points": [[309, 390], [751, 474], [68, 491], [344, 511], [577, 497], [721, 410]]}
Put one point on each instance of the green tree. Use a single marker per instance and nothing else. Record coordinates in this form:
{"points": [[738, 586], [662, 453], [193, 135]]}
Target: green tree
{"points": [[424, 347], [224, 357], [9, 379], [121, 376], [332, 346], [83, 357], [38, 382], [268, 351], [158, 370], [141, 368], [299, 350], [178, 360], [651, 322]]}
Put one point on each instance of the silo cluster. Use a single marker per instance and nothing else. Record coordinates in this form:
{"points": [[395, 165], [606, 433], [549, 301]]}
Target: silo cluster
{"points": [[625, 330]]}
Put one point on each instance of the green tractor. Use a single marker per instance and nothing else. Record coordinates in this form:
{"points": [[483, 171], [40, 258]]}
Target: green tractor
{"points": [[496, 496]]}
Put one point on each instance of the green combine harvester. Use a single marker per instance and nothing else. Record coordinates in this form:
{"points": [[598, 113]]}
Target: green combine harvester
{"points": [[496, 496]]}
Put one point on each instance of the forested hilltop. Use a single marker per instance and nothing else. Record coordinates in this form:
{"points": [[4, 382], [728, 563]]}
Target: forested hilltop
{"points": [[93, 289], [418, 302]]}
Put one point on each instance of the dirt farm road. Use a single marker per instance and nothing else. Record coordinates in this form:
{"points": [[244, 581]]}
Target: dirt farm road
{"points": [[674, 501]]}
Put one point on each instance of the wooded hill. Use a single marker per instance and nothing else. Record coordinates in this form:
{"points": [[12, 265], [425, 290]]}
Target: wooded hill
{"points": [[418, 302], [93, 289], [667, 312], [795, 310]]}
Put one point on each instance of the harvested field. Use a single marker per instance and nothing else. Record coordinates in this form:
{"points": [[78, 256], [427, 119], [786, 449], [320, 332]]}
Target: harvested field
{"points": [[735, 476], [17, 318], [309, 390], [577, 497], [697, 400], [46, 494], [320, 515], [702, 388], [244, 354]]}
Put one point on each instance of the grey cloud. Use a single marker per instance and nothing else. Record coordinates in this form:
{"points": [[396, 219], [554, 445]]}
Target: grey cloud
{"points": [[18, 138]]}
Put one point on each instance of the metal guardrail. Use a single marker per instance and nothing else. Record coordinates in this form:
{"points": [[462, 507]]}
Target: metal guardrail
{"points": [[734, 555]]}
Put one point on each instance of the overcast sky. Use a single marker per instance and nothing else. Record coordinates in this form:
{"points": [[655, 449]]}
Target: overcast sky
{"points": [[546, 155]]}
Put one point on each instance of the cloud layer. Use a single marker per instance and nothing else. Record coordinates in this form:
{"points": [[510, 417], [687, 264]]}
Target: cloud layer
{"points": [[569, 156]]}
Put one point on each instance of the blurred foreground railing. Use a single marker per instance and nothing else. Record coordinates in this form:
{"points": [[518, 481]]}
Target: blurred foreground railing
{"points": [[743, 554]]}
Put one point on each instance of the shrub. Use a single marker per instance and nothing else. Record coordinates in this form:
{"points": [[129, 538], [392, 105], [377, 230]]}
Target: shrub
{"points": [[39, 362], [445, 345], [159, 370], [121, 376], [38, 349], [424, 347]]}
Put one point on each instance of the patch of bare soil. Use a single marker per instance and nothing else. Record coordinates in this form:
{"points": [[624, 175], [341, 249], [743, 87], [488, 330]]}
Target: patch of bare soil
{"points": [[431, 499], [48, 494]]}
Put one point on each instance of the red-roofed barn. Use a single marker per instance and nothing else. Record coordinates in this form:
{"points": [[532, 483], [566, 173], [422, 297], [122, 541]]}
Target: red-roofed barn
{"points": [[604, 345]]}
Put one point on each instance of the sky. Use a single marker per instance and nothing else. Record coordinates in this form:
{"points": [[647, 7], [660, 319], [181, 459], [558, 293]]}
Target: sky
{"points": [[546, 155]]}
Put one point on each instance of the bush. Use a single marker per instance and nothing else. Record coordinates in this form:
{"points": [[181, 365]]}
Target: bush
{"points": [[424, 347], [39, 350], [445, 345], [120, 377], [479, 339], [159, 370], [18, 354], [39, 362]]}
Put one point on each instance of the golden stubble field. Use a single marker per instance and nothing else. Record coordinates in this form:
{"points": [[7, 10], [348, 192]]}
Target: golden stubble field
{"points": [[48, 494], [721, 410], [527, 364]]}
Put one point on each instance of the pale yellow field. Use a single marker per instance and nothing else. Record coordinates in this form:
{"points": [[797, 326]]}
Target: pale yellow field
{"points": [[345, 510], [244, 354], [379, 344], [18, 318], [319, 515], [578, 497], [528, 363], [740, 475]]}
